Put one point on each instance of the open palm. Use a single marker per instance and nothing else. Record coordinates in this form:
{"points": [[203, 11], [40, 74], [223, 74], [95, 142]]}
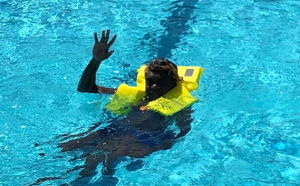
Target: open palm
{"points": [[101, 48]]}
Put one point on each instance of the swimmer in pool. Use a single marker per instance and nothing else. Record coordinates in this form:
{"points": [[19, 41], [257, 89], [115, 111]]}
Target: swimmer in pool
{"points": [[138, 134], [161, 74]]}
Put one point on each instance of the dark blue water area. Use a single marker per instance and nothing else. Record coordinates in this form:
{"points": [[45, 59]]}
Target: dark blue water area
{"points": [[245, 128], [175, 26]]}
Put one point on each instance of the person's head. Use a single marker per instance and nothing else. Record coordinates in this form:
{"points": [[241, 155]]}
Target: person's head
{"points": [[161, 76]]}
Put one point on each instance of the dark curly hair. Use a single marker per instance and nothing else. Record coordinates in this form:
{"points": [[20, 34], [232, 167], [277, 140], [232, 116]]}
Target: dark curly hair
{"points": [[164, 66]]}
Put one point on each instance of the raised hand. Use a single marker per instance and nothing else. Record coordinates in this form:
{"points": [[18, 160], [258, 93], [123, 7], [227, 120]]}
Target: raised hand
{"points": [[101, 48]]}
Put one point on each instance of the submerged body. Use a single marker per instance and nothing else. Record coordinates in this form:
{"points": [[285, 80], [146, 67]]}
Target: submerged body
{"points": [[137, 135]]}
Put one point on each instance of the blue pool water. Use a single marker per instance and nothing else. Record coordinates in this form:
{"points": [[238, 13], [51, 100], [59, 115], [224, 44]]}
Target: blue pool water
{"points": [[246, 125]]}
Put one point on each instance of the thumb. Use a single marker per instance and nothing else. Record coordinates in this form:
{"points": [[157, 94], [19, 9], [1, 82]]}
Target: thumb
{"points": [[110, 53]]}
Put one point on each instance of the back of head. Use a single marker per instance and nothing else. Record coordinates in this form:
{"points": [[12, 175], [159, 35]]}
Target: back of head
{"points": [[164, 66]]}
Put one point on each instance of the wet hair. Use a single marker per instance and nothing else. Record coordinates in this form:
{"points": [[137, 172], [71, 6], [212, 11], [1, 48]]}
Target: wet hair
{"points": [[164, 66]]}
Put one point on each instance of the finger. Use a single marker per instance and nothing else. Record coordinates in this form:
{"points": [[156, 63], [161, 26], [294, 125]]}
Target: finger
{"points": [[110, 53], [96, 37], [103, 36], [107, 35], [112, 41]]}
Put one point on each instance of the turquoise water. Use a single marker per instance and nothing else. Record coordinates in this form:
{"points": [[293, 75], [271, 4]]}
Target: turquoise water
{"points": [[246, 124]]}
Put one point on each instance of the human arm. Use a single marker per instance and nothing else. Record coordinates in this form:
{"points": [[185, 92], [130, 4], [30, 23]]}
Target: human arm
{"points": [[101, 52], [183, 120]]}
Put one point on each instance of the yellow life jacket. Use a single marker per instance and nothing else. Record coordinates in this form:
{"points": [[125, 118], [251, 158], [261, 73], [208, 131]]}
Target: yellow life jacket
{"points": [[173, 101]]}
